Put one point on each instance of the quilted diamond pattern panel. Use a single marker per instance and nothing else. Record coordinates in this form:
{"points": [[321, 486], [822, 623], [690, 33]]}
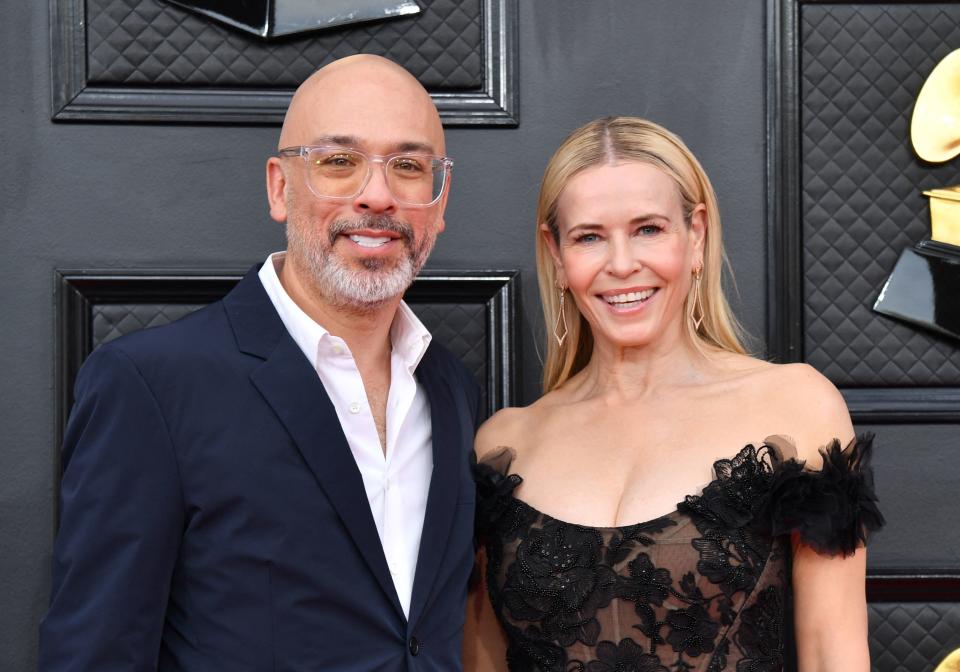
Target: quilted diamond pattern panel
{"points": [[462, 329], [110, 321], [862, 66], [912, 636], [148, 42]]}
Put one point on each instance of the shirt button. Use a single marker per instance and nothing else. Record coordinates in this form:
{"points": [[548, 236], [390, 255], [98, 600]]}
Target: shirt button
{"points": [[354, 408], [386, 485], [414, 646], [337, 349]]}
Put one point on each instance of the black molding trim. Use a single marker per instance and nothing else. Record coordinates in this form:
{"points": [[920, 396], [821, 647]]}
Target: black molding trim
{"points": [[500, 291], [78, 291], [73, 100], [901, 405], [914, 586], [784, 233], [785, 324], [876, 2]]}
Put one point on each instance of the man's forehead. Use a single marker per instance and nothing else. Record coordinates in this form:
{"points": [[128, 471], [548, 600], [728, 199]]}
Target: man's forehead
{"points": [[365, 103]]}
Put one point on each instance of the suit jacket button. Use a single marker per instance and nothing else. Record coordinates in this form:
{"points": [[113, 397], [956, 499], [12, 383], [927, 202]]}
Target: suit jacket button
{"points": [[414, 646]]}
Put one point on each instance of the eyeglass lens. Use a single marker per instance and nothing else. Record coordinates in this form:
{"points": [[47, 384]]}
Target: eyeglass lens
{"points": [[412, 178]]}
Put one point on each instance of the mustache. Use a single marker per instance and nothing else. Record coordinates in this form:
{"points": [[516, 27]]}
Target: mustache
{"points": [[372, 222]]}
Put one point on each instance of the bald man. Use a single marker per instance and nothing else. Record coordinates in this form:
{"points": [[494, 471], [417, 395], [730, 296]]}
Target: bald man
{"points": [[280, 481]]}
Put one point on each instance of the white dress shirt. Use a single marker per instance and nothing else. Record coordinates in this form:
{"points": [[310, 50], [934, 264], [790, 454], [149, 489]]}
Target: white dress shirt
{"points": [[396, 482]]}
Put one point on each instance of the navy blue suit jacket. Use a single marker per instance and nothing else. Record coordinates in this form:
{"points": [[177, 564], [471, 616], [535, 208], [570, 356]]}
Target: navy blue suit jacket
{"points": [[213, 517]]}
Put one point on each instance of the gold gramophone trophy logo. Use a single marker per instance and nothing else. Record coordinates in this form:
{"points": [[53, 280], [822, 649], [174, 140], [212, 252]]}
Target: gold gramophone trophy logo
{"points": [[935, 132], [950, 664], [924, 288], [279, 18]]}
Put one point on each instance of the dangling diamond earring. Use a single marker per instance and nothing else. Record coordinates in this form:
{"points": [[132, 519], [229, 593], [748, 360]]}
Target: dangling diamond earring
{"points": [[561, 319], [697, 303]]}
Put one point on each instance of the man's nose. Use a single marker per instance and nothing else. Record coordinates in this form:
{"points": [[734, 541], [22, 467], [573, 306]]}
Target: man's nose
{"points": [[376, 195]]}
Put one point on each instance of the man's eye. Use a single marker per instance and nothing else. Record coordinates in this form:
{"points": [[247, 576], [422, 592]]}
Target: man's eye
{"points": [[408, 164], [337, 161]]}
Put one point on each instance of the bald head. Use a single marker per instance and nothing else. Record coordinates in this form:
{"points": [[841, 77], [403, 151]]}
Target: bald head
{"points": [[360, 251], [363, 100]]}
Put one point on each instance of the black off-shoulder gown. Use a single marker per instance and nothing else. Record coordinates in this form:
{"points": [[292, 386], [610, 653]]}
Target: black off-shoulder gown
{"points": [[703, 588]]}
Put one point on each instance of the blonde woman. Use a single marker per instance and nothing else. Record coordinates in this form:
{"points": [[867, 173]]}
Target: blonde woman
{"points": [[670, 502]]}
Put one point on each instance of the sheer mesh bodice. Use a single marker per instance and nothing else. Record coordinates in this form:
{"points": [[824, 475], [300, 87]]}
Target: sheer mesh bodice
{"points": [[702, 588]]}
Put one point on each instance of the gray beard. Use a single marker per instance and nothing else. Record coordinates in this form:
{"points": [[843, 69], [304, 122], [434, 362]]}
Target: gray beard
{"points": [[368, 288]]}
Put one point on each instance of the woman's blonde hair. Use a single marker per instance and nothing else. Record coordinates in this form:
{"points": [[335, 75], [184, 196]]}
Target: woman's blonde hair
{"points": [[607, 142]]}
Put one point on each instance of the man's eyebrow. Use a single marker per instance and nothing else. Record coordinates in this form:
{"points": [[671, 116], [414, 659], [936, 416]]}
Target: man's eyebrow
{"points": [[343, 140], [415, 147], [354, 141]]}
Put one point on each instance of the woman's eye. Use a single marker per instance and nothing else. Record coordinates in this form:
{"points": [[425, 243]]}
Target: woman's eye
{"points": [[587, 238], [649, 230]]}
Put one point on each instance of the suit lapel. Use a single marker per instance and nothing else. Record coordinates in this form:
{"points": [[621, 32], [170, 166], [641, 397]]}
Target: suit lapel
{"points": [[444, 482], [292, 388]]}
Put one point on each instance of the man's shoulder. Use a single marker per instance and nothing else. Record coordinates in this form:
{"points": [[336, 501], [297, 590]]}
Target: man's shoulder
{"points": [[192, 348], [439, 356], [197, 332], [441, 360]]}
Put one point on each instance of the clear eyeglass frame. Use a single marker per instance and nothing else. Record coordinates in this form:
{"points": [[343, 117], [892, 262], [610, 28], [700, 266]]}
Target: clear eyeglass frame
{"points": [[444, 164]]}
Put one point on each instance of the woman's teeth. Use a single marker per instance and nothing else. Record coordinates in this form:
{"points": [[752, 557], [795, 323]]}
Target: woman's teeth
{"points": [[368, 241], [628, 299]]}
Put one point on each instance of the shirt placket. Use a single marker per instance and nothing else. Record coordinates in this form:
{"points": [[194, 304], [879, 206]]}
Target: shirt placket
{"points": [[376, 468]]}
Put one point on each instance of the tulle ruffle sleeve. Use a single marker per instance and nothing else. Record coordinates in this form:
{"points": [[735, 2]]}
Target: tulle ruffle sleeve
{"points": [[494, 487], [833, 510]]}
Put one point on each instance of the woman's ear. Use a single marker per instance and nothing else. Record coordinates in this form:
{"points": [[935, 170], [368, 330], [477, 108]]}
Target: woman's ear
{"points": [[698, 233], [551, 242], [276, 189]]}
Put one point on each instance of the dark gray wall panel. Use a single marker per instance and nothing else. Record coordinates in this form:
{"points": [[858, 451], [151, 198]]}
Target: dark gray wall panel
{"points": [[862, 66], [916, 474], [912, 635], [127, 60], [442, 46], [191, 196]]}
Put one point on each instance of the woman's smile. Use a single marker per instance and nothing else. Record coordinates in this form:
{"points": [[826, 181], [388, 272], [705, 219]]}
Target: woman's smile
{"points": [[628, 301]]}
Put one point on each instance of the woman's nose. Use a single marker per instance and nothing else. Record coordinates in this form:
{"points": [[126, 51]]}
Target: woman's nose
{"points": [[622, 260]]}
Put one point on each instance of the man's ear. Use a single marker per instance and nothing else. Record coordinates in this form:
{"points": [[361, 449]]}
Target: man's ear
{"points": [[554, 253], [441, 223], [698, 232], [276, 189]]}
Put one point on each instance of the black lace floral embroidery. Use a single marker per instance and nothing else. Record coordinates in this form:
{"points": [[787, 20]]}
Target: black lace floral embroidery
{"points": [[573, 598], [626, 656], [559, 582], [761, 634]]}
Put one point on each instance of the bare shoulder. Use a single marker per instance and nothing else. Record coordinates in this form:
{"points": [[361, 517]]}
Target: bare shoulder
{"points": [[503, 428], [811, 408], [516, 427]]}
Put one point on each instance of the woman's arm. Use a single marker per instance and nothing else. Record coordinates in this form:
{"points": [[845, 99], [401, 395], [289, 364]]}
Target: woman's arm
{"points": [[484, 642], [830, 610]]}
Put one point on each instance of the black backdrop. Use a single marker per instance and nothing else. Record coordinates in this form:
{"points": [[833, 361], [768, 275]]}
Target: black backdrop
{"points": [[189, 196]]}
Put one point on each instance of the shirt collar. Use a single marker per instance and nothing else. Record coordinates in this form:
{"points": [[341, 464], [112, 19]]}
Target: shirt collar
{"points": [[409, 339]]}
